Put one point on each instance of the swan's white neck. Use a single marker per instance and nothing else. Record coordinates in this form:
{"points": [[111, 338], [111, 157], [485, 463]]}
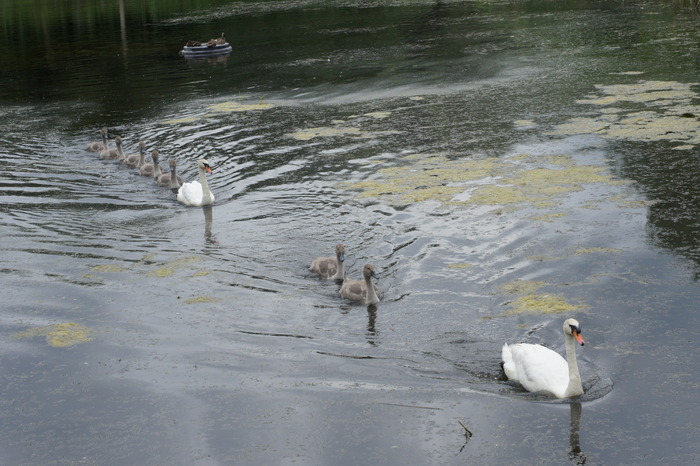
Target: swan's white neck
{"points": [[206, 193], [574, 388], [372, 297]]}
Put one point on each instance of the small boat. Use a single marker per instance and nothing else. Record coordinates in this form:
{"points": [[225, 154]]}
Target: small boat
{"points": [[195, 48]]}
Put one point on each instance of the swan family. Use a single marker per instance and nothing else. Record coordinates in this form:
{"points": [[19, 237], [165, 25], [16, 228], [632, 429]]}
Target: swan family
{"points": [[194, 193], [333, 267], [535, 367]]}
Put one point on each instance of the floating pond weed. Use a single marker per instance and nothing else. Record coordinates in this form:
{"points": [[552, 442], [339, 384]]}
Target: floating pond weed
{"points": [[542, 304], [641, 111], [532, 302], [519, 181], [231, 106], [60, 335]]}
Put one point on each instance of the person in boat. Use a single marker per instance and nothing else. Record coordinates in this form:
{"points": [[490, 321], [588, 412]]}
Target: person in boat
{"points": [[214, 42]]}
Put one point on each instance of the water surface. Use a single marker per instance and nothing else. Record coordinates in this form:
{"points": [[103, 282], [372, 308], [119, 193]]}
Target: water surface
{"points": [[504, 166]]}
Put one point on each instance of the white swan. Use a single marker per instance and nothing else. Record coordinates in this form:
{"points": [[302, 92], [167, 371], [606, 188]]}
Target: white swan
{"points": [[197, 193], [540, 369], [98, 146], [330, 267], [361, 291], [136, 160]]}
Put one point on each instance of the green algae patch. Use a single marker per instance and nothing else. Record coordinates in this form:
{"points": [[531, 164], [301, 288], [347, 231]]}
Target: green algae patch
{"points": [[185, 260], [641, 111], [60, 335], [325, 132], [108, 268], [541, 304], [502, 195], [459, 266], [577, 252], [181, 120], [170, 268], [162, 272], [201, 299], [425, 177], [540, 179], [547, 217], [231, 106], [541, 187], [521, 287], [378, 115], [531, 301], [336, 131], [512, 182], [596, 250]]}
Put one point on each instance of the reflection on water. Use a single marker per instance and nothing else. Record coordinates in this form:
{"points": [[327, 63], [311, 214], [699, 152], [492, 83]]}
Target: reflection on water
{"points": [[372, 333], [442, 142], [576, 456], [208, 220]]}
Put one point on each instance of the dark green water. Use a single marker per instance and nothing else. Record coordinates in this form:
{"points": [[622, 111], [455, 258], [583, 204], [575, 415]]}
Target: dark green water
{"points": [[504, 165]]}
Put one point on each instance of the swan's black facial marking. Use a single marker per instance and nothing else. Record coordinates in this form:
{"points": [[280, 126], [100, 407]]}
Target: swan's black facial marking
{"points": [[576, 331]]}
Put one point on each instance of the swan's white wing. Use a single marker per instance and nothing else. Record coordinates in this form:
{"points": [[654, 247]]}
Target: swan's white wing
{"points": [[539, 368], [191, 193]]}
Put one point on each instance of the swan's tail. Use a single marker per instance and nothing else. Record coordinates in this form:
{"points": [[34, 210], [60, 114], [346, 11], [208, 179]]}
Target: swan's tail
{"points": [[507, 362]]}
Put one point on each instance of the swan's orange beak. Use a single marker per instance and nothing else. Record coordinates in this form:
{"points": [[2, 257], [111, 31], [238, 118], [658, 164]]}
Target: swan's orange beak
{"points": [[578, 337], [207, 168]]}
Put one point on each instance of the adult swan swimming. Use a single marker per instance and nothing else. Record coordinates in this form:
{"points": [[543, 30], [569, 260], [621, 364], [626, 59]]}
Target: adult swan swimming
{"points": [[197, 193], [540, 369]]}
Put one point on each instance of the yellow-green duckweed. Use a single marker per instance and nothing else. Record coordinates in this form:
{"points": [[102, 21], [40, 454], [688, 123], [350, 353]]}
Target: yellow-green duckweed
{"points": [[161, 272], [181, 120], [60, 335], [325, 132], [522, 286], [232, 106], [542, 304], [109, 268], [519, 180], [531, 301], [459, 266], [201, 299], [656, 111], [378, 115]]}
